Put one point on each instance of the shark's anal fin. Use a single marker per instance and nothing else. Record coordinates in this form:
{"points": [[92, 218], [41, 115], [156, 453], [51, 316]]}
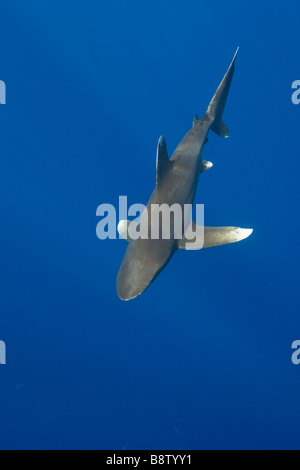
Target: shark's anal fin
{"points": [[215, 236], [163, 163], [123, 228]]}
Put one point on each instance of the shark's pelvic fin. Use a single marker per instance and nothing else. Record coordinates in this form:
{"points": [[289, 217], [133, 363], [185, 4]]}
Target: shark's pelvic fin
{"points": [[216, 236], [163, 163], [206, 165]]}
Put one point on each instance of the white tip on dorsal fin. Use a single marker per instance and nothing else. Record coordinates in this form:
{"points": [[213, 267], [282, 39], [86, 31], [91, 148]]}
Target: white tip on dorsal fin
{"points": [[163, 163], [214, 236]]}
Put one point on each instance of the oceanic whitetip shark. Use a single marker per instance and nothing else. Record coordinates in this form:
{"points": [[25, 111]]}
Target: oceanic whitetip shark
{"points": [[176, 183]]}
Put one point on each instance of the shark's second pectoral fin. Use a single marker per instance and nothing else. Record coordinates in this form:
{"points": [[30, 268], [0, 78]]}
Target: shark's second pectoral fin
{"points": [[163, 163], [123, 227], [213, 236]]}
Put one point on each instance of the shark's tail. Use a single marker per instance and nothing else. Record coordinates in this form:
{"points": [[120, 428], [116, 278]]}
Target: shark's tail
{"points": [[216, 107]]}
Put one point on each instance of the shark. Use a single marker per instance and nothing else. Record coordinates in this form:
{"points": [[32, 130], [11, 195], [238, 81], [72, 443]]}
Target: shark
{"points": [[176, 183]]}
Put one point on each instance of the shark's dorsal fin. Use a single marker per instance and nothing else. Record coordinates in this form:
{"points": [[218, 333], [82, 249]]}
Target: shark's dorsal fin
{"points": [[163, 163], [196, 120], [213, 236]]}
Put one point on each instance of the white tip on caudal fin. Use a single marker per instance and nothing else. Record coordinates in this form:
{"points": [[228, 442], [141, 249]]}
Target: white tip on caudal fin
{"points": [[220, 128], [215, 236]]}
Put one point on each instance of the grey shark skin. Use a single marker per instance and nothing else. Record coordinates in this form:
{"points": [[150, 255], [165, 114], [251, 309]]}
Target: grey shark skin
{"points": [[176, 182]]}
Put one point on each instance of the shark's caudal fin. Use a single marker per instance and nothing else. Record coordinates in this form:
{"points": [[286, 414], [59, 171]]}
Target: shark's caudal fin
{"points": [[215, 236], [216, 107]]}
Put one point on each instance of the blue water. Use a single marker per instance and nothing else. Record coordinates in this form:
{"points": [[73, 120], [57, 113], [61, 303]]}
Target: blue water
{"points": [[202, 359]]}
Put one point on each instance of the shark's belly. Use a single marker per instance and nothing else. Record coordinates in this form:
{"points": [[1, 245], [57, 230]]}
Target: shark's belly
{"points": [[145, 258], [178, 191]]}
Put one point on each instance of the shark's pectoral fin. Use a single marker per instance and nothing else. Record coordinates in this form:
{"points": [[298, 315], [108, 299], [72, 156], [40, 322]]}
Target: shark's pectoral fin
{"points": [[216, 236], [213, 236], [206, 237], [163, 163], [123, 227], [220, 128]]}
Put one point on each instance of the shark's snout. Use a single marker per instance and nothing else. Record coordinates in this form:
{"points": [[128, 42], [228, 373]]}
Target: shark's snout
{"points": [[132, 282], [128, 292], [143, 261]]}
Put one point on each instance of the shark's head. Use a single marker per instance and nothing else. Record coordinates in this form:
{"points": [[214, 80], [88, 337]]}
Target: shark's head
{"points": [[129, 285], [143, 261], [134, 277]]}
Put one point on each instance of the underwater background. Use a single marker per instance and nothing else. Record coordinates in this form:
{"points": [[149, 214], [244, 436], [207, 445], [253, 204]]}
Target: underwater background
{"points": [[202, 360]]}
